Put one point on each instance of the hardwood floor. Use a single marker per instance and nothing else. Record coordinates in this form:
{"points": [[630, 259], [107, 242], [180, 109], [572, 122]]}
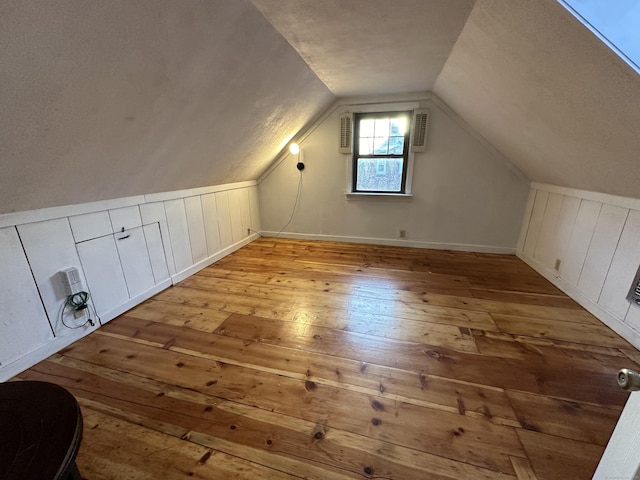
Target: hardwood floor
{"points": [[293, 359]]}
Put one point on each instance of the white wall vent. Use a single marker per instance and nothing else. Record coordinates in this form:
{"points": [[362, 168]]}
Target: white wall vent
{"points": [[634, 291], [346, 127], [420, 124]]}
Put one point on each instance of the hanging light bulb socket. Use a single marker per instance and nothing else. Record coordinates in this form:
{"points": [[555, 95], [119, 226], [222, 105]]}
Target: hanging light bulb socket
{"points": [[294, 148]]}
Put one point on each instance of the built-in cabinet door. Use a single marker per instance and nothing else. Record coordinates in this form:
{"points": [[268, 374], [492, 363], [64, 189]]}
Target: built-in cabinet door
{"points": [[50, 248], [23, 321], [102, 269], [134, 259], [152, 213], [156, 252]]}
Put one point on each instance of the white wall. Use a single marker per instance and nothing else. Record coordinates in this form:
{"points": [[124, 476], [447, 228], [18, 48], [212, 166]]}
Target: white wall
{"points": [[465, 194], [588, 244], [126, 250]]}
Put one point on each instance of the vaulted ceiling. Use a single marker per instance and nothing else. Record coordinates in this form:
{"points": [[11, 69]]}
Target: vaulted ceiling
{"points": [[109, 99], [364, 47]]}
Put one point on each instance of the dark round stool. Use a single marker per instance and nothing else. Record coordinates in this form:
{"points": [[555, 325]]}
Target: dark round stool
{"points": [[41, 430]]}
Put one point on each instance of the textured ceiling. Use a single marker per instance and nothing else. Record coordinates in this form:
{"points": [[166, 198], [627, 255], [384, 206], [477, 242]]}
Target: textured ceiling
{"points": [[548, 94], [362, 47], [109, 99]]}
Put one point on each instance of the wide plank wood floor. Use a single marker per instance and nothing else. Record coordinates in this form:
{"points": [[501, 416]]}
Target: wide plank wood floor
{"points": [[318, 360]]}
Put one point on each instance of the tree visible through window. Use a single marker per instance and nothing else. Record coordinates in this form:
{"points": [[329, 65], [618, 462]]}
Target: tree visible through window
{"points": [[381, 145]]}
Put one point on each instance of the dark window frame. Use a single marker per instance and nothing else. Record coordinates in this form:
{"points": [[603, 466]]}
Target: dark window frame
{"points": [[404, 156]]}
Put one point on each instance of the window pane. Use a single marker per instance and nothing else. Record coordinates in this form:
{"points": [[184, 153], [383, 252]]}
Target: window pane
{"points": [[366, 146], [398, 126], [382, 127], [379, 174], [396, 145], [366, 127], [381, 146]]}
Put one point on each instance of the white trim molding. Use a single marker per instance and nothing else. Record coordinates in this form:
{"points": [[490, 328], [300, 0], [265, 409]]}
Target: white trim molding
{"points": [[459, 247]]}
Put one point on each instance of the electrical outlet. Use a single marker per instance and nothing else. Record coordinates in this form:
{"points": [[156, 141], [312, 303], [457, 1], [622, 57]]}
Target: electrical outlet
{"points": [[557, 265], [78, 314], [402, 233]]}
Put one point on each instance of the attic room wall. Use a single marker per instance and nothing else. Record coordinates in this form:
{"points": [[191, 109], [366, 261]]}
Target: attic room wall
{"points": [[587, 244], [102, 100], [465, 196]]}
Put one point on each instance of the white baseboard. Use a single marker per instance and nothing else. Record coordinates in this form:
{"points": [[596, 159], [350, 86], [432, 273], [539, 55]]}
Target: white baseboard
{"points": [[606, 317], [186, 273], [460, 247]]}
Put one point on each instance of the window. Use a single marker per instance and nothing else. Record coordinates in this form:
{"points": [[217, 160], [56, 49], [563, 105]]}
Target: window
{"points": [[615, 22], [380, 152]]}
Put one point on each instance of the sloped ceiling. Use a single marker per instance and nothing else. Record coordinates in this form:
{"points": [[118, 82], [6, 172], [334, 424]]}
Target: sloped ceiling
{"points": [[108, 99], [525, 74], [547, 93], [364, 47], [116, 98]]}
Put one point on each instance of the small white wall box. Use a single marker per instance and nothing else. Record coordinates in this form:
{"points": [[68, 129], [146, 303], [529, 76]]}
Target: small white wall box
{"points": [[71, 280], [634, 291]]}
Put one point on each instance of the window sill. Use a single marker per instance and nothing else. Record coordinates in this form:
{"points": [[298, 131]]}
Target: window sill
{"points": [[351, 195]]}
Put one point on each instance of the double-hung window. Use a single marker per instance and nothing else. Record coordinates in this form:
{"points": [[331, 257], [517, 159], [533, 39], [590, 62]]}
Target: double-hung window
{"points": [[381, 152]]}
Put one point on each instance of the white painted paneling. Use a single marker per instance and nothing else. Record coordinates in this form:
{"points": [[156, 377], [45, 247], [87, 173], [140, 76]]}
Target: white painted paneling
{"points": [[103, 273], [90, 225], [254, 205], [526, 219], [633, 317], [23, 322], [245, 211], [579, 242], [601, 249], [623, 268], [224, 219], [152, 213], [134, 259], [179, 234], [50, 248], [235, 213], [211, 228], [190, 192], [565, 223], [537, 216], [546, 248], [195, 222], [52, 213], [156, 252], [125, 218]]}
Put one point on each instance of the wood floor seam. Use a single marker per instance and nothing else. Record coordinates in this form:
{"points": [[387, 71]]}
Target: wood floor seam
{"points": [[292, 359]]}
